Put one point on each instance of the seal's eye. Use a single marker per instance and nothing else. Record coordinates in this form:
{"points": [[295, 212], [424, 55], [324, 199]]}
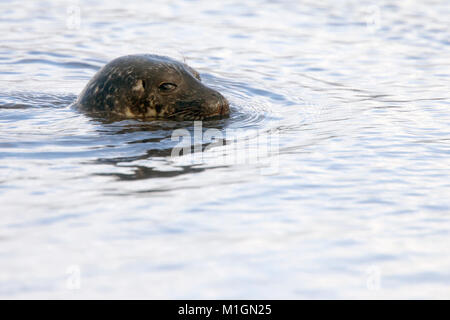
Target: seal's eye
{"points": [[167, 86]]}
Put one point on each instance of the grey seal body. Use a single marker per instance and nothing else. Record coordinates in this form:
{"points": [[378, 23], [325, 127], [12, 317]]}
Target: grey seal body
{"points": [[151, 87]]}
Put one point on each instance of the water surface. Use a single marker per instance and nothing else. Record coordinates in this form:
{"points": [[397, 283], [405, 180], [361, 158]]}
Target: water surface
{"points": [[356, 203]]}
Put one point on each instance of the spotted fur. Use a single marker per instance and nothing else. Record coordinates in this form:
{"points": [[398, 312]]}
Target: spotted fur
{"points": [[130, 87]]}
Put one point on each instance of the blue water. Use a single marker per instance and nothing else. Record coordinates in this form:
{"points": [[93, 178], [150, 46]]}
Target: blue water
{"points": [[354, 201]]}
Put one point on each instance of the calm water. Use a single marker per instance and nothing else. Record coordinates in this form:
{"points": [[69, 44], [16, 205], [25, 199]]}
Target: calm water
{"points": [[357, 201]]}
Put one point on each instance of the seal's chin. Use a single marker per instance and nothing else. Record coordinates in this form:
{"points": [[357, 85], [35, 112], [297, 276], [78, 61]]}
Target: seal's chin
{"points": [[191, 111], [198, 112]]}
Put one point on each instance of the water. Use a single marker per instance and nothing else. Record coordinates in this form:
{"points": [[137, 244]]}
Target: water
{"points": [[357, 203]]}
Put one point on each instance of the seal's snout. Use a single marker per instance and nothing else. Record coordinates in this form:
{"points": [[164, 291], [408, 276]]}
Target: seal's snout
{"points": [[224, 108], [219, 104]]}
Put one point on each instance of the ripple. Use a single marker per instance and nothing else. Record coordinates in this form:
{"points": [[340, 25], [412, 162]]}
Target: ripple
{"points": [[23, 100], [64, 64]]}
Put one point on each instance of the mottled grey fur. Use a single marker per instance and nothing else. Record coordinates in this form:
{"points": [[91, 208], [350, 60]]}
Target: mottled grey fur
{"points": [[130, 87]]}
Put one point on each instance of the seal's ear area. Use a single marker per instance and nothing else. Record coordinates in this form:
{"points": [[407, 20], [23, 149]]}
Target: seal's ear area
{"points": [[194, 73]]}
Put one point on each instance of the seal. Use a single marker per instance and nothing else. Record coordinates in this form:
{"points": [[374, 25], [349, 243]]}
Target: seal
{"points": [[151, 87]]}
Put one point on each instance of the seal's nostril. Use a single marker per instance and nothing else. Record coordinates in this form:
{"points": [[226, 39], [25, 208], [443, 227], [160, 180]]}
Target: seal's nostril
{"points": [[224, 107]]}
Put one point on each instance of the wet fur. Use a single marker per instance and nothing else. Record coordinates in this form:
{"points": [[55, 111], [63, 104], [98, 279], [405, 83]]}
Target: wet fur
{"points": [[128, 87]]}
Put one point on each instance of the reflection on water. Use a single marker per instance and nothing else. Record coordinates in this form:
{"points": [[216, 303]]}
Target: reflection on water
{"points": [[356, 204]]}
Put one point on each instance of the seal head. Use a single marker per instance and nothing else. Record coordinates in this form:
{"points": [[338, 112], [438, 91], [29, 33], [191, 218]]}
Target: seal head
{"points": [[151, 87]]}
